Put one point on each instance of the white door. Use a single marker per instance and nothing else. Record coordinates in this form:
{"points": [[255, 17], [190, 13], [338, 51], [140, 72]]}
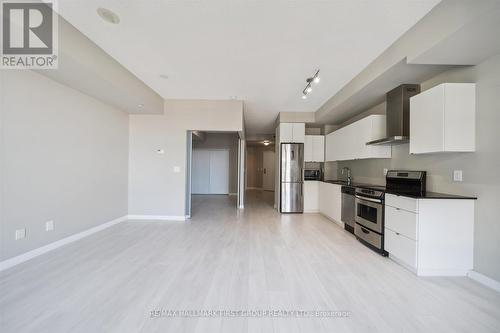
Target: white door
{"points": [[200, 172], [210, 171], [268, 171], [219, 172]]}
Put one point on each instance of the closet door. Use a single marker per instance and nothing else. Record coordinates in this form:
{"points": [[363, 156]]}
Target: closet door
{"points": [[200, 172], [219, 172]]}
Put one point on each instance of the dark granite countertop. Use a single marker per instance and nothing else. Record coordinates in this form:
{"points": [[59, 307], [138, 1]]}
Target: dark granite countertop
{"points": [[431, 195], [426, 195]]}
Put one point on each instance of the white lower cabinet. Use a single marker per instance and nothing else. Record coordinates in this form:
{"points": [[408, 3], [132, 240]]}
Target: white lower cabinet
{"points": [[330, 201], [311, 196], [402, 248], [432, 237], [401, 221]]}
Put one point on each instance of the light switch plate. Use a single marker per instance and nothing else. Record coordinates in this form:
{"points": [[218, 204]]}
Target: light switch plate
{"points": [[385, 171], [49, 225], [177, 169], [20, 233], [457, 175]]}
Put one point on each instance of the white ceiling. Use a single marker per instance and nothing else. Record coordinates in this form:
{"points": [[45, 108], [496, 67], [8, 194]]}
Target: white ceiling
{"points": [[258, 50]]}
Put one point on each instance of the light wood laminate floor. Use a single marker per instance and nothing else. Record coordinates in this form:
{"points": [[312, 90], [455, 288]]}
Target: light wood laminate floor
{"points": [[225, 259]]}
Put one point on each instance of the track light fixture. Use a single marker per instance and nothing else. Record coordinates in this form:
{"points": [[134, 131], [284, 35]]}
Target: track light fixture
{"points": [[315, 78]]}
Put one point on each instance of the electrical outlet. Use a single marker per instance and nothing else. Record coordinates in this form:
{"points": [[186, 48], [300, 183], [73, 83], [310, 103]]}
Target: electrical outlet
{"points": [[385, 171], [49, 225], [457, 175], [20, 233]]}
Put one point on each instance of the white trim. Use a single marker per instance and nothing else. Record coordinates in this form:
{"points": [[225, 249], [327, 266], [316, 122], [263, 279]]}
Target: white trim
{"points": [[52, 246], [232, 193], [484, 280], [157, 217], [442, 272]]}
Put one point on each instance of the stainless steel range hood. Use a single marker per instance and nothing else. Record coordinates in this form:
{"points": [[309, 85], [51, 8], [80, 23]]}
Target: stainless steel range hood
{"points": [[398, 115]]}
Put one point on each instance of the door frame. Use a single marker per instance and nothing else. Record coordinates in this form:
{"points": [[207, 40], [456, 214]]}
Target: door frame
{"points": [[240, 202], [189, 166]]}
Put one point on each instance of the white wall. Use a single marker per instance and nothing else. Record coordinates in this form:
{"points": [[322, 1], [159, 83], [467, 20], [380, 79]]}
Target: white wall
{"points": [[154, 187], [480, 169], [64, 158]]}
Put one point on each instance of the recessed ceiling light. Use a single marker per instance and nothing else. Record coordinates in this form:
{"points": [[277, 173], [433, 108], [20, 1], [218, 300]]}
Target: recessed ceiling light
{"points": [[266, 143], [316, 79], [164, 76], [108, 16], [304, 96], [309, 89]]}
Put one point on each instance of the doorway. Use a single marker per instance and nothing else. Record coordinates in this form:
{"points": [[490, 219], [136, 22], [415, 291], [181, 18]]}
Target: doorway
{"points": [[261, 166], [214, 171]]}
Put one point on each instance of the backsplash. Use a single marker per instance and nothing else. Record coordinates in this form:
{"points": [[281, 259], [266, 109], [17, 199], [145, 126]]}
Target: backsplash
{"points": [[439, 169]]}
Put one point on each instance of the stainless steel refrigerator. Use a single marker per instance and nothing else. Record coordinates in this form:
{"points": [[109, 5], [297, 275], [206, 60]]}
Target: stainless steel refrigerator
{"points": [[292, 179]]}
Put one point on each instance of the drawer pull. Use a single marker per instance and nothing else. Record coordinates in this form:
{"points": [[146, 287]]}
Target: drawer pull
{"points": [[365, 231]]}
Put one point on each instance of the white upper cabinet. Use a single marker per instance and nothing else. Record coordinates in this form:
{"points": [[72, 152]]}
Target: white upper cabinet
{"points": [[314, 148], [349, 142], [292, 132], [308, 148], [442, 119], [318, 148]]}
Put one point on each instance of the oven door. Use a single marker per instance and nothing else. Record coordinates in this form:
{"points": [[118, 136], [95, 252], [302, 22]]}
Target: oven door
{"points": [[369, 213]]}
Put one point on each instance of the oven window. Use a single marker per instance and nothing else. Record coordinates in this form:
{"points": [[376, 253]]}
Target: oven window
{"points": [[368, 213]]}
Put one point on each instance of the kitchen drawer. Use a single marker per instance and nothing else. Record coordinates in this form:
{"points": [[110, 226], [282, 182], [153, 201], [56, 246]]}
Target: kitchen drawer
{"points": [[401, 247], [401, 221], [368, 235], [401, 202]]}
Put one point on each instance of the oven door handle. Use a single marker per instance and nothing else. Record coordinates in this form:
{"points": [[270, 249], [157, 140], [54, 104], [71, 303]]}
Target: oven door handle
{"points": [[368, 199]]}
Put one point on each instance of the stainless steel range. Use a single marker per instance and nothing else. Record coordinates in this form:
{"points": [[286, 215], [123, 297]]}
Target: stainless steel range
{"points": [[370, 202], [369, 217]]}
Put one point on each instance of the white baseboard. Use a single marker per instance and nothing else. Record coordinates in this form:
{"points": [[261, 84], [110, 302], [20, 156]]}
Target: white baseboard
{"points": [[52, 246], [442, 272], [484, 280], [311, 211], [157, 217]]}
